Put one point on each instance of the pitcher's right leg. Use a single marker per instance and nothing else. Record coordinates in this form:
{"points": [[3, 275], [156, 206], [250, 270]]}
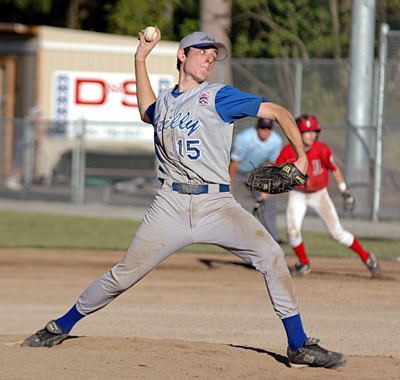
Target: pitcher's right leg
{"points": [[164, 230]]}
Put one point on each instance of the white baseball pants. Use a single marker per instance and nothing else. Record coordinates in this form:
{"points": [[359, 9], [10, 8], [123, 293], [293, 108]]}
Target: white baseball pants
{"points": [[321, 202]]}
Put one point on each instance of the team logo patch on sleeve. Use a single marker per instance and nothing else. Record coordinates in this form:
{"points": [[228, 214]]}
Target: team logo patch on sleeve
{"points": [[204, 98]]}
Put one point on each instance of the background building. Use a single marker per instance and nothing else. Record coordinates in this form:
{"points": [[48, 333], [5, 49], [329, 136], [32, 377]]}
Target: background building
{"points": [[57, 78]]}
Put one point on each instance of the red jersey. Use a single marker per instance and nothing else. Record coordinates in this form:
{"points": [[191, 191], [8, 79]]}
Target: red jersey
{"points": [[320, 161]]}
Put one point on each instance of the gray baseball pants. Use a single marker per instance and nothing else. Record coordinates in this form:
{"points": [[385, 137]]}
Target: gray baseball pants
{"points": [[174, 221]]}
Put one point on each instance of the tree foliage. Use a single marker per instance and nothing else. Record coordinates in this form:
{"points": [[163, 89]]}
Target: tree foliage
{"points": [[290, 29], [130, 16], [260, 28], [79, 14]]}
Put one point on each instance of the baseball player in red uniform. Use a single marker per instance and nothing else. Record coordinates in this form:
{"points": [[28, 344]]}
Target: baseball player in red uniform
{"points": [[315, 194]]}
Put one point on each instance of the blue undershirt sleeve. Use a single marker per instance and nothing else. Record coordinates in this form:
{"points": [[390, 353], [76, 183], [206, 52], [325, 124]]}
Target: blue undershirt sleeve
{"points": [[233, 104], [150, 112]]}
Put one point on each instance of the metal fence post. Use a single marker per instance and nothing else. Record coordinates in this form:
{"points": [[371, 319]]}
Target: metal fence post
{"points": [[379, 124], [28, 154], [298, 88], [78, 163]]}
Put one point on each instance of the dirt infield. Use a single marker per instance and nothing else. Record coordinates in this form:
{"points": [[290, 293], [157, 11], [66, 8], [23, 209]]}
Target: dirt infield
{"points": [[196, 316]]}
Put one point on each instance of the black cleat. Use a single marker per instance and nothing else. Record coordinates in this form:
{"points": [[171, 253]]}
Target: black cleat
{"points": [[372, 264], [313, 355], [300, 270], [47, 337]]}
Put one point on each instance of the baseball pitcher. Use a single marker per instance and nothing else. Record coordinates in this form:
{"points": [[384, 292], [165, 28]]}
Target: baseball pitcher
{"points": [[193, 124]]}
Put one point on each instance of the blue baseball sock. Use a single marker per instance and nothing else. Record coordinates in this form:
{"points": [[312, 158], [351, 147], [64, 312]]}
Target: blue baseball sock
{"points": [[295, 332], [67, 321]]}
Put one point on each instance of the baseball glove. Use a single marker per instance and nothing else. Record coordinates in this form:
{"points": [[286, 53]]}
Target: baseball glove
{"points": [[276, 179], [349, 201]]}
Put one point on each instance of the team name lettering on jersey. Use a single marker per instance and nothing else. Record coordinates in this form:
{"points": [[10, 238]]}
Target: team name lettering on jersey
{"points": [[183, 122]]}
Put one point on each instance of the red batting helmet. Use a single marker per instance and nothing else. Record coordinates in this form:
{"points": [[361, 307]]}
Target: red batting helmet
{"points": [[307, 123]]}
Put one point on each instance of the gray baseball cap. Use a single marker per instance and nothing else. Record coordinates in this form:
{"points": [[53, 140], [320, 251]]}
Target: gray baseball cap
{"points": [[203, 39]]}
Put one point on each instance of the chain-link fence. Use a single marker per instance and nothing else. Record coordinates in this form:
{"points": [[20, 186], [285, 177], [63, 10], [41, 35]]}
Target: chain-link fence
{"points": [[60, 162], [392, 80], [72, 172], [320, 87], [390, 183], [48, 163]]}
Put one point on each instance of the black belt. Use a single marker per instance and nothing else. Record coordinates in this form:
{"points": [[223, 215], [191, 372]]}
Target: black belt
{"points": [[185, 188]]}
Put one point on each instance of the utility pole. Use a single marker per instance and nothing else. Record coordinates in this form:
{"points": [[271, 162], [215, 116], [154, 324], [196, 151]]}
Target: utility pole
{"points": [[360, 102]]}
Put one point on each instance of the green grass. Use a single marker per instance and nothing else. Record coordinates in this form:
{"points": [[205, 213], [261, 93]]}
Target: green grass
{"points": [[60, 231], [321, 244], [36, 230]]}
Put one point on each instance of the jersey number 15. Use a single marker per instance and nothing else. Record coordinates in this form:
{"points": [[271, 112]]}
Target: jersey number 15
{"points": [[189, 149]]}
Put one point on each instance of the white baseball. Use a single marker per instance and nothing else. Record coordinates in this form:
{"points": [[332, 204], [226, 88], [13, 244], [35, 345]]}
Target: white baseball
{"points": [[150, 33]]}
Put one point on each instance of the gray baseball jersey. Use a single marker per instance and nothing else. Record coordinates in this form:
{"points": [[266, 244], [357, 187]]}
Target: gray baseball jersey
{"points": [[192, 146], [192, 142]]}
